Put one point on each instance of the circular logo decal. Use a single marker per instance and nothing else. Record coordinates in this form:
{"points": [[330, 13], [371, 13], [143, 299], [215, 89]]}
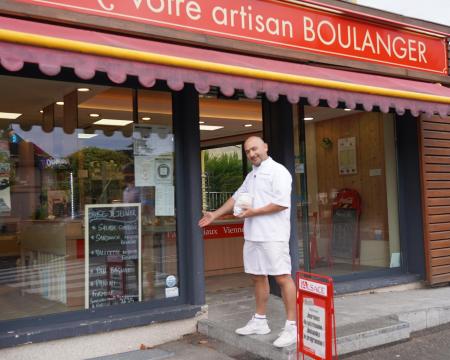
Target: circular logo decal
{"points": [[171, 281]]}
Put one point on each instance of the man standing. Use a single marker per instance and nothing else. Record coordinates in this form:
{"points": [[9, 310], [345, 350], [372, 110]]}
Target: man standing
{"points": [[266, 233]]}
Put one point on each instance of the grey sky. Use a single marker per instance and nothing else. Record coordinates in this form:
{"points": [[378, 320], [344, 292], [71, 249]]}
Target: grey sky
{"points": [[437, 11]]}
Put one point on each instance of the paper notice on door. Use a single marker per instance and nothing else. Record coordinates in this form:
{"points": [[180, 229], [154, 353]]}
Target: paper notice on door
{"points": [[144, 169], [164, 200]]}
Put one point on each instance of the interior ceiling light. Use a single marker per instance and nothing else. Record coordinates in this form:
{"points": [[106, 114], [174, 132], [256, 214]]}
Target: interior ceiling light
{"points": [[6, 115], [86, 136], [146, 118], [41, 111], [83, 89], [94, 115], [248, 125], [113, 122], [308, 118], [210, 127], [201, 122], [60, 103]]}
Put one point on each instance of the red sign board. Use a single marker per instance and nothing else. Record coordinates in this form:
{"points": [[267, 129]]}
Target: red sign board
{"points": [[277, 23], [216, 232], [315, 317], [223, 231]]}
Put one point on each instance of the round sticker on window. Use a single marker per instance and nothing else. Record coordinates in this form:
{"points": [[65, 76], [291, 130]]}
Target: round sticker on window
{"points": [[163, 170], [171, 281]]}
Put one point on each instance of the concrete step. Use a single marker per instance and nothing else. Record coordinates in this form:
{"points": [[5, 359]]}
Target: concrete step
{"points": [[371, 333], [350, 338], [260, 345]]}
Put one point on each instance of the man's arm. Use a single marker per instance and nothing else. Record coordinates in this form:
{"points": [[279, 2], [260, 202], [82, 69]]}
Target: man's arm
{"points": [[209, 217], [264, 210]]}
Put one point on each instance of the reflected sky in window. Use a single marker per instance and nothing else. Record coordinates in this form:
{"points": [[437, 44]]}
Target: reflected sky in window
{"points": [[59, 144]]}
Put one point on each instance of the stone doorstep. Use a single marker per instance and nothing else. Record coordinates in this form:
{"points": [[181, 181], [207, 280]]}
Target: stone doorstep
{"points": [[371, 333], [351, 338], [260, 345]]}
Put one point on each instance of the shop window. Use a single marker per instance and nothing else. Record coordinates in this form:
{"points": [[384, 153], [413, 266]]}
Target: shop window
{"points": [[351, 190], [87, 184]]}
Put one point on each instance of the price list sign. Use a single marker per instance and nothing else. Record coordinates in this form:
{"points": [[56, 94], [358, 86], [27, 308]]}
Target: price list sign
{"points": [[113, 254]]}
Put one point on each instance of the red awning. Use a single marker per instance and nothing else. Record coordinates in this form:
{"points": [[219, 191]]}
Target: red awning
{"points": [[13, 55]]}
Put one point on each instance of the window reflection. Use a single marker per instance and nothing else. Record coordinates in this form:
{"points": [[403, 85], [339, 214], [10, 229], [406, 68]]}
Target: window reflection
{"points": [[58, 160]]}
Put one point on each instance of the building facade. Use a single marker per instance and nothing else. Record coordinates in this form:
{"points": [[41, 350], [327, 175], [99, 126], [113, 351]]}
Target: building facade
{"points": [[121, 121]]}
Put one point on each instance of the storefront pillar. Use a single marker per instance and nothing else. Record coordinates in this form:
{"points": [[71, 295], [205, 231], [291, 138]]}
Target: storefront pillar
{"points": [[278, 134], [188, 198], [410, 203]]}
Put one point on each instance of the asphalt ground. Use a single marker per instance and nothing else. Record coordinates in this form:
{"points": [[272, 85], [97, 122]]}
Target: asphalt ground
{"points": [[432, 344]]}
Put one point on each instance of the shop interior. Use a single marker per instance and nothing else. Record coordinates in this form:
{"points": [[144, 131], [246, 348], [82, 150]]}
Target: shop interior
{"points": [[351, 190], [64, 146]]}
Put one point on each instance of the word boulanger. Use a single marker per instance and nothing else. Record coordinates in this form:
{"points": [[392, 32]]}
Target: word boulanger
{"points": [[347, 36]]}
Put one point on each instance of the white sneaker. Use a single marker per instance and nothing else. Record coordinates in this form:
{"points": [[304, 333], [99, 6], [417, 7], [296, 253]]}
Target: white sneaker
{"points": [[254, 327], [287, 337]]}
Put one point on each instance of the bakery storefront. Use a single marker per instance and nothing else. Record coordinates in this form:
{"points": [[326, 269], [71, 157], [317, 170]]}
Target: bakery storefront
{"points": [[121, 120]]}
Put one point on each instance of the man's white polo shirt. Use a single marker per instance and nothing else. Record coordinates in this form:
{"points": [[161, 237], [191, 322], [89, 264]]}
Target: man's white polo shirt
{"points": [[270, 182]]}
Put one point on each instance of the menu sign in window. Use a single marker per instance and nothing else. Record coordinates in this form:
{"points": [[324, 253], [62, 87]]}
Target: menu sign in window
{"points": [[113, 254]]}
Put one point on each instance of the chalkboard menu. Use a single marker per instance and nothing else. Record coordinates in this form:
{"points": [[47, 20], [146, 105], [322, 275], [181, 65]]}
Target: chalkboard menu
{"points": [[344, 242], [113, 254]]}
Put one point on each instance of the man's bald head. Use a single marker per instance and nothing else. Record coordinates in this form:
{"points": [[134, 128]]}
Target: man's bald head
{"points": [[255, 139], [256, 150]]}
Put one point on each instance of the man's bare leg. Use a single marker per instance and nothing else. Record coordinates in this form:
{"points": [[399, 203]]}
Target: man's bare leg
{"points": [[288, 293], [262, 290], [258, 324]]}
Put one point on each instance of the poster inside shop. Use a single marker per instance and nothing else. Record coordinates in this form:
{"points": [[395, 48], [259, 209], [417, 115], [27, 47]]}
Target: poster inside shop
{"points": [[347, 156], [150, 140], [314, 326], [5, 174]]}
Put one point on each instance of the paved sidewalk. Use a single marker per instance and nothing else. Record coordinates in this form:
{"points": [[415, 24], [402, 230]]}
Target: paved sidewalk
{"points": [[363, 320], [190, 347]]}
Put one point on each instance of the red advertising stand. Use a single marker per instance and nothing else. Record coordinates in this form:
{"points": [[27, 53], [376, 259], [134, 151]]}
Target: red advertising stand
{"points": [[316, 323]]}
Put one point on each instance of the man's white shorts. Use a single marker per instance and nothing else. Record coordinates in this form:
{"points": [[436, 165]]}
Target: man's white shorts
{"points": [[267, 258]]}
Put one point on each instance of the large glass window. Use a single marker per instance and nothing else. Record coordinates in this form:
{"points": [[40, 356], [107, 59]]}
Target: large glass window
{"points": [[351, 190], [87, 210]]}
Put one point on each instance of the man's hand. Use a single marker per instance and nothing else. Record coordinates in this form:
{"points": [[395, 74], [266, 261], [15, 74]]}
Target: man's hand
{"points": [[246, 213], [208, 218], [265, 210]]}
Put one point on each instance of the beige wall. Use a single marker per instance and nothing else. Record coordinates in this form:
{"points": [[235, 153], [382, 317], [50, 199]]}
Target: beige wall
{"points": [[375, 181]]}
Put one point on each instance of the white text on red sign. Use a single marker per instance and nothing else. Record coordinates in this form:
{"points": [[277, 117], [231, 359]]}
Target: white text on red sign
{"points": [[313, 287], [281, 24]]}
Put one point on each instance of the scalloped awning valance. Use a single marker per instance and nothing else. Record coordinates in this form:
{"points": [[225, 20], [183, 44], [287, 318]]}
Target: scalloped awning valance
{"points": [[53, 47]]}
